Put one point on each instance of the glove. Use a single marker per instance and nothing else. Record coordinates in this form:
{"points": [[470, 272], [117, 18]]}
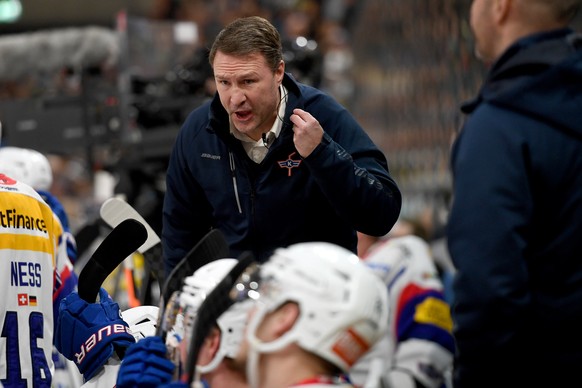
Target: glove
{"points": [[88, 333], [145, 365]]}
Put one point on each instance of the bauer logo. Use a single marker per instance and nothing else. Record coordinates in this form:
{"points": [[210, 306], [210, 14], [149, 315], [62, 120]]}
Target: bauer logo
{"points": [[97, 338], [210, 156]]}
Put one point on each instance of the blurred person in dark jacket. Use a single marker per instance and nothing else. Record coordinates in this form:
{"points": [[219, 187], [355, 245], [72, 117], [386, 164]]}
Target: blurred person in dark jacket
{"points": [[515, 227], [270, 161]]}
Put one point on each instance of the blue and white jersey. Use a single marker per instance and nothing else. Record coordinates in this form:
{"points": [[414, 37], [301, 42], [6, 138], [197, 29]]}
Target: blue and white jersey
{"points": [[419, 345], [36, 274]]}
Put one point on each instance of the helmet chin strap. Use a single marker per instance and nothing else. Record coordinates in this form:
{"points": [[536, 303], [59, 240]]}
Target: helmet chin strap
{"points": [[252, 368], [197, 382], [213, 364]]}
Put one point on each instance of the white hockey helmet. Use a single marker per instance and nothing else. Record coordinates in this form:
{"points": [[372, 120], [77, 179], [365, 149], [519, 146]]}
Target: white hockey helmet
{"points": [[26, 165], [405, 253], [231, 323], [142, 320], [343, 304]]}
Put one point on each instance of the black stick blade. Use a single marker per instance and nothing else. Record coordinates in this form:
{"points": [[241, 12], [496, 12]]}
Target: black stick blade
{"points": [[211, 247], [121, 242]]}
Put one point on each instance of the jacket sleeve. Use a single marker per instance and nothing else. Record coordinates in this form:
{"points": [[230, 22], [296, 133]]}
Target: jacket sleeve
{"points": [[353, 172], [486, 234], [185, 215]]}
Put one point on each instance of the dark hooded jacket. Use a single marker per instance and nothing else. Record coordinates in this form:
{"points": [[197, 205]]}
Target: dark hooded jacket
{"points": [[344, 185], [515, 227]]}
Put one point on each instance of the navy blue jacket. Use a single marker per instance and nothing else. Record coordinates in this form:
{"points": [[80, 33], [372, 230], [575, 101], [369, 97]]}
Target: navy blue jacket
{"points": [[344, 185], [515, 227]]}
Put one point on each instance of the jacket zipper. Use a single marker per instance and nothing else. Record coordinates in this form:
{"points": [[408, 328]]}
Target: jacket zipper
{"points": [[232, 173]]}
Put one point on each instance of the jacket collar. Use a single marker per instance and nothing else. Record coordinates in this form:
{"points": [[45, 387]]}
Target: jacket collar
{"points": [[527, 56]]}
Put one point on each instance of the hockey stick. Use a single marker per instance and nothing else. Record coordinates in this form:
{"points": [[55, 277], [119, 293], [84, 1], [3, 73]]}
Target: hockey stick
{"points": [[216, 303], [212, 246], [122, 241], [113, 211]]}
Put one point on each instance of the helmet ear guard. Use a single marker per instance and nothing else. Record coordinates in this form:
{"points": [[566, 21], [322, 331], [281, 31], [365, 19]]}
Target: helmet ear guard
{"points": [[215, 305], [231, 323], [343, 304]]}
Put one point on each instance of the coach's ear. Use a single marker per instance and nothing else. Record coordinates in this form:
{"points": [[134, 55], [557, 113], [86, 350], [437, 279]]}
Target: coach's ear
{"points": [[280, 72], [501, 10]]}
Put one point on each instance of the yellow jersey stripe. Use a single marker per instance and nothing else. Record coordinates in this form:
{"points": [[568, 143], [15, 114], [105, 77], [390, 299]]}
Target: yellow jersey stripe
{"points": [[26, 243]]}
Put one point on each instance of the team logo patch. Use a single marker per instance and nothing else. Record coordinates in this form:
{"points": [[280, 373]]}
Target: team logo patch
{"points": [[4, 180], [290, 163], [350, 347]]}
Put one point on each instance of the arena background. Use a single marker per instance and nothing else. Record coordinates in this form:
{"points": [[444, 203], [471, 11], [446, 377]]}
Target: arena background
{"points": [[103, 86]]}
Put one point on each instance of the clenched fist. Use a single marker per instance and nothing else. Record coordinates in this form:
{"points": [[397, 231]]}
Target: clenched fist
{"points": [[308, 132]]}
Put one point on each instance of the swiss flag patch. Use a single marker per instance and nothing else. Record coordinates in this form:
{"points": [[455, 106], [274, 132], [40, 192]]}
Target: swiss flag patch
{"points": [[23, 299]]}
